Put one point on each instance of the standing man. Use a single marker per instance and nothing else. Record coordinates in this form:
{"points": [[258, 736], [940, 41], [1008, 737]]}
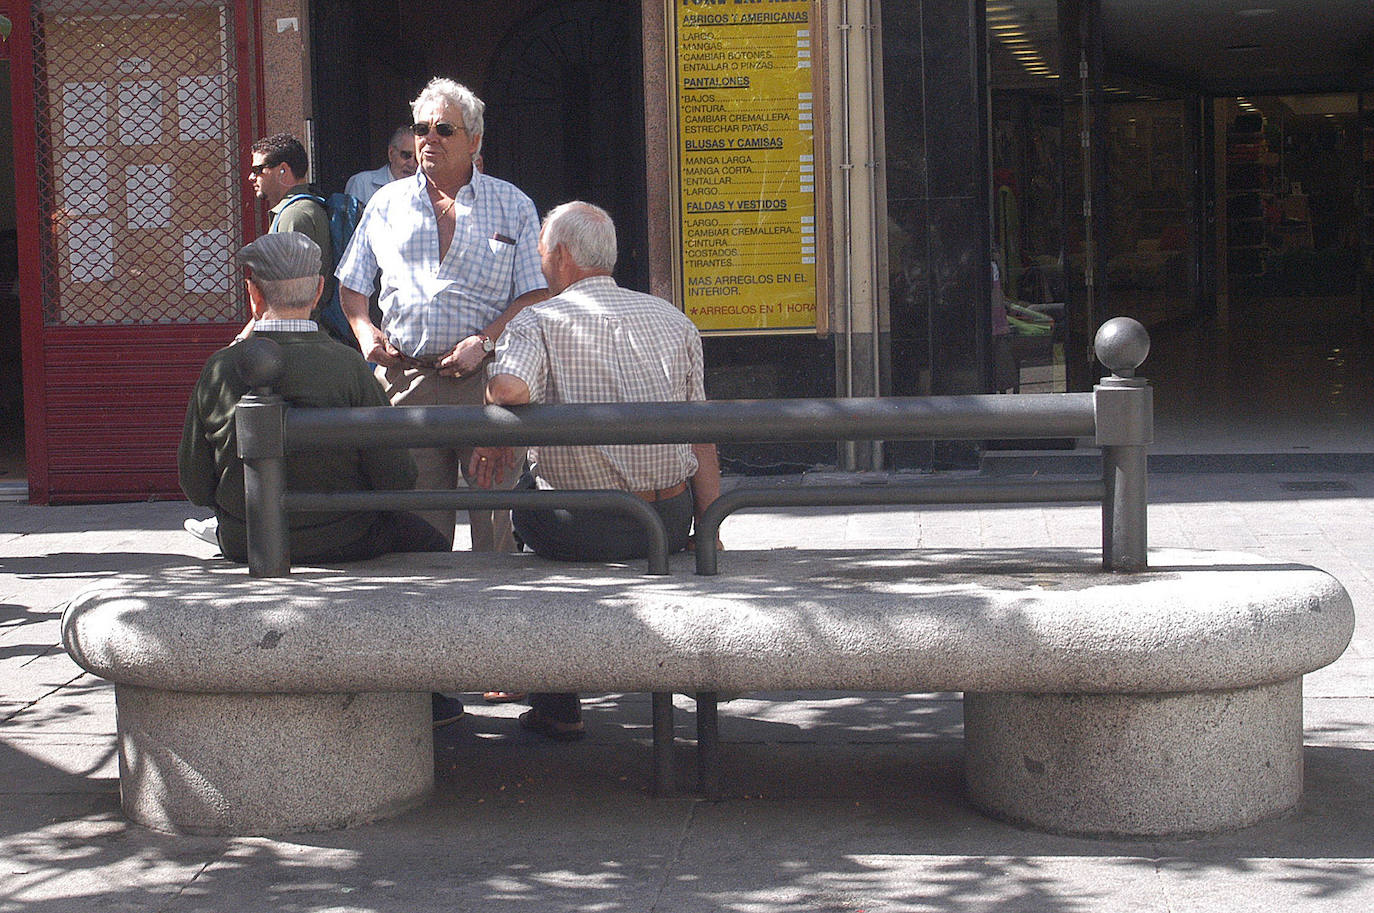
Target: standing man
{"points": [[595, 342], [278, 172], [400, 163], [459, 257]]}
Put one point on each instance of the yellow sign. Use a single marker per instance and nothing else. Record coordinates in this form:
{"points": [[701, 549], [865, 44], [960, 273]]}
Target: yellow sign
{"points": [[746, 164]]}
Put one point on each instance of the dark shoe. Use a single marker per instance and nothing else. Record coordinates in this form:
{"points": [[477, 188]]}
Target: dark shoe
{"points": [[447, 710], [503, 697], [559, 732]]}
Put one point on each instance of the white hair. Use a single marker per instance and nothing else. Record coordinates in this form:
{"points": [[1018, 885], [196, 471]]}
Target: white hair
{"points": [[288, 294], [586, 231], [456, 95]]}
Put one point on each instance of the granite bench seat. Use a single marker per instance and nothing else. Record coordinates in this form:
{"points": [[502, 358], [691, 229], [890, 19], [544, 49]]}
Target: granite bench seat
{"points": [[1164, 701]]}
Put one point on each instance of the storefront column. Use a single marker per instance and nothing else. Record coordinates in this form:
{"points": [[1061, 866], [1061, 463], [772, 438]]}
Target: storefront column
{"points": [[939, 246]]}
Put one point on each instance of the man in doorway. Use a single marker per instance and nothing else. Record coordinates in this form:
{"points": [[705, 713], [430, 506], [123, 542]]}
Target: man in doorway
{"points": [[284, 283], [400, 163], [458, 254], [595, 342]]}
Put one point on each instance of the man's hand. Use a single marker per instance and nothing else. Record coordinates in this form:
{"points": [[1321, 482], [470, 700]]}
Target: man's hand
{"points": [[490, 465], [375, 346], [465, 358], [371, 341]]}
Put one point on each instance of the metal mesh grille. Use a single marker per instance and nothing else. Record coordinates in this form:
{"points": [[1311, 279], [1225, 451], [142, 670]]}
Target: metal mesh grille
{"points": [[137, 176]]}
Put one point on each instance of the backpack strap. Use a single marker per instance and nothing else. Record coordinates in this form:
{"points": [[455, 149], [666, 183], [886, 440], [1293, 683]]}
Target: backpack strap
{"points": [[292, 198]]}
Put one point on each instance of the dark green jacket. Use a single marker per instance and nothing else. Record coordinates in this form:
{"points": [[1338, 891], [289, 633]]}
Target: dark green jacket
{"points": [[320, 373]]}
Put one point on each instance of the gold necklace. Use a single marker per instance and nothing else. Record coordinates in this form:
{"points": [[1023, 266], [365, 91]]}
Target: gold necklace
{"points": [[445, 210]]}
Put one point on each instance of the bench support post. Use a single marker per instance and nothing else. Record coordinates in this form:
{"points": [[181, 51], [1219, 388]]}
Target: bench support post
{"points": [[708, 745], [663, 743], [247, 764], [1136, 764]]}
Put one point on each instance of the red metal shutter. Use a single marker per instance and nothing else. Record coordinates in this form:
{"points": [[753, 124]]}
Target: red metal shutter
{"points": [[141, 130]]}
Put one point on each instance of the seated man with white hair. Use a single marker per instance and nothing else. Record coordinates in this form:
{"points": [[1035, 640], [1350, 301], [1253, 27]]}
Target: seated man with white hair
{"points": [[595, 342]]}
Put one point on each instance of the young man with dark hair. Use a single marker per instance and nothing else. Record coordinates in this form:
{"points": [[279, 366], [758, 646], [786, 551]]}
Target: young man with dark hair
{"points": [[278, 173]]}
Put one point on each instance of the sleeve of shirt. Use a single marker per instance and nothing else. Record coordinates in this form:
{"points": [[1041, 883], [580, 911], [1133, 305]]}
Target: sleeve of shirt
{"points": [[195, 456], [520, 353], [358, 265], [528, 275], [696, 373]]}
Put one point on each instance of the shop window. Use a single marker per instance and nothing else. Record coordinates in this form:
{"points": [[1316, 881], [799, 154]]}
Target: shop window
{"points": [[1027, 129], [1149, 184]]}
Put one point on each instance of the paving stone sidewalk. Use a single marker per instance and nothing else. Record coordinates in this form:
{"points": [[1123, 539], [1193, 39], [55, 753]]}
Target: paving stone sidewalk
{"points": [[833, 802]]}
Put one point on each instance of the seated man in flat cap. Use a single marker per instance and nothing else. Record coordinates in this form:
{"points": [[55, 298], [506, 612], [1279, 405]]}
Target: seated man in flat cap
{"points": [[284, 283]]}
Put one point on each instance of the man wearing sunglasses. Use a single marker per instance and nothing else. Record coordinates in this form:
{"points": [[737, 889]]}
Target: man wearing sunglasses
{"points": [[458, 253], [277, 173], [400, 163]]}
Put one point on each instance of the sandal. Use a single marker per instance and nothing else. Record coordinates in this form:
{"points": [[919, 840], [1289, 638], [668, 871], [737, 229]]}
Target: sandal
{"points": [[550, 729], [503, 697]]}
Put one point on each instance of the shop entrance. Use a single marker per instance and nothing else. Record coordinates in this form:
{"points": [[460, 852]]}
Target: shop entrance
{"points": [[1232, 210], [1286, 365], [563, 84]]}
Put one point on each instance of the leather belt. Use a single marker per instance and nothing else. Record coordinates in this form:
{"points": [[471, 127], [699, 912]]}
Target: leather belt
{"points": [[661, 494]]}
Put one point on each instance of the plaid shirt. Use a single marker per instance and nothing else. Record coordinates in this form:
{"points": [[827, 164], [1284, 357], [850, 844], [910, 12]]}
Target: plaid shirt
{"points": [[429, 306], [599, 343]]}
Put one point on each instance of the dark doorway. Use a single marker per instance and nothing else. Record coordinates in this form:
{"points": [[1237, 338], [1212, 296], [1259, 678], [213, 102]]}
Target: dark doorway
{"points": [[563, 84]]}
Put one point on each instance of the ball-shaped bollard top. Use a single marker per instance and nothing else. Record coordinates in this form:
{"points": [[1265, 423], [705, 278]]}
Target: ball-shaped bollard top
{"points": [[259, 362], [1122, 345]]}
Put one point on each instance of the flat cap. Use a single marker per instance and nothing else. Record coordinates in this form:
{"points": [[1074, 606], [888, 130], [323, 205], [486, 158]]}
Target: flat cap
{"points": [[281, 255]]}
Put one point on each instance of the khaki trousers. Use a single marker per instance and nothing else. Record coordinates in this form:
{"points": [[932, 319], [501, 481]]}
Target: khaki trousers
{"points": [[446, 469]]}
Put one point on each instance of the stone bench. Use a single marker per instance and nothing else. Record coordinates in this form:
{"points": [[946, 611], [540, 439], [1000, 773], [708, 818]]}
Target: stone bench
{"points": [[1166, 701]]}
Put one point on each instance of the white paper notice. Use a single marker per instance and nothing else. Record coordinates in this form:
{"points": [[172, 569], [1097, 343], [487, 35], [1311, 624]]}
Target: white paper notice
{"points": [[207, 256], [200, 107], [90, 250], [148, 195], [83, 188], [141, 107], [85, 114]]}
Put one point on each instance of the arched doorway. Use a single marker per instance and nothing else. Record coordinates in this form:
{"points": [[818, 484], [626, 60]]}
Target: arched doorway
{"points": [[563, 84], [568, 83]]}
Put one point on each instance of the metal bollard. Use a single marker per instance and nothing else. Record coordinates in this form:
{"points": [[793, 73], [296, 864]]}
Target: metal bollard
{"points": [[1124, 407]]}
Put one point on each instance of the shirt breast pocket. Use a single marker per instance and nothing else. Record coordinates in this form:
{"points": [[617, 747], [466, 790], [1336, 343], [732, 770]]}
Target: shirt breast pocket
{"points": [[495, 267]]}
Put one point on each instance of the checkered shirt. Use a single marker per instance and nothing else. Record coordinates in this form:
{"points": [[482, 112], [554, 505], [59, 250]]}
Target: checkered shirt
{"points": [[429, 306], [599, 343], [285, 325]]}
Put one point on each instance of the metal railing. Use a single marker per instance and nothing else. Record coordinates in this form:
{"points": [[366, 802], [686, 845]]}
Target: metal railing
{"points": [[1117, 414]]}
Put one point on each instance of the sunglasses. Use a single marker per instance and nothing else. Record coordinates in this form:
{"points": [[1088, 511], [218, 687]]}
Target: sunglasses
{"points": [[404, 153], [443, 128], [256, 170]]}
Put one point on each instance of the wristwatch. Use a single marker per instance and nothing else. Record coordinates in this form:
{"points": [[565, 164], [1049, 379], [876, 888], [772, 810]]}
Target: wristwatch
{"points": [[488, 344]]}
